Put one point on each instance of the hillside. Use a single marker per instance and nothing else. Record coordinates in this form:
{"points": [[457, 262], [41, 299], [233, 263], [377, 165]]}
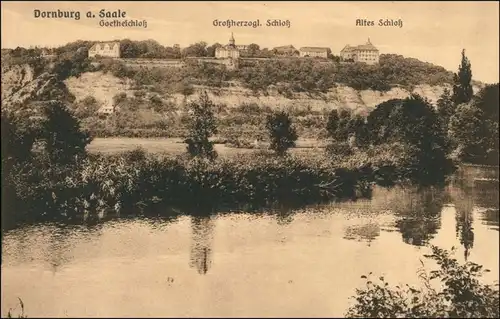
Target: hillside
{"points": [[151, 100], [105, 86]]}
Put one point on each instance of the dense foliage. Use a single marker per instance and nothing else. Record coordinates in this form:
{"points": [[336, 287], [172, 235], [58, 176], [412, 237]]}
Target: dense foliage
{"points": [[411, 127], [201, 127], [474, 127], [61, 181], [463, 295], [281, 132], [134, 183], [60, 131]]}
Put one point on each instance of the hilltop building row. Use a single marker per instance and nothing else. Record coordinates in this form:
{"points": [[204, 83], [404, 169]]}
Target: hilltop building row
{"points": [[366, 53]]}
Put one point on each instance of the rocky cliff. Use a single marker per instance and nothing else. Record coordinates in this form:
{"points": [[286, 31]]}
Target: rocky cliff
{"points": [[20, 86]]}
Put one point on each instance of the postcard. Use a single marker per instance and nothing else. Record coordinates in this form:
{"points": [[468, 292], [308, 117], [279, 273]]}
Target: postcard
{"points": [[250, 159]]}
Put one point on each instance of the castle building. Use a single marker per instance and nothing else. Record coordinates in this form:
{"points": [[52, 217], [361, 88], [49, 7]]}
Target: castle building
{"points": [[316, 52], [105, 49], [228, 51], [366, 53]]}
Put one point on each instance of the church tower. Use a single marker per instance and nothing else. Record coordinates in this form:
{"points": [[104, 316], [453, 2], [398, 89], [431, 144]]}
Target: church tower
{"points": [[231, 40]]}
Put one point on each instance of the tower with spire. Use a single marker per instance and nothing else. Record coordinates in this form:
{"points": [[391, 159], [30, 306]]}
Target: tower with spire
{"points": [[231, 40], [228, 51]]}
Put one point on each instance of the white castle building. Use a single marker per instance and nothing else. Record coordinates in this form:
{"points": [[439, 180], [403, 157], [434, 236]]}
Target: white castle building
{"points": [[228, 51], [366, 53], [105, 49]]}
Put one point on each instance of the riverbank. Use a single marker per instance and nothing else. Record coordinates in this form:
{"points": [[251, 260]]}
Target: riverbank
{"points": [[138, 182]]}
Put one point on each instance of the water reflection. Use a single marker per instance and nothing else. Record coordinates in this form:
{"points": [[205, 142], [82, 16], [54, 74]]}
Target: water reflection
{"points": [[464, 204], [419, 214], [282, 258], [486, 198], [366, 232], [202, 240], [284, 215], [52, 244]]}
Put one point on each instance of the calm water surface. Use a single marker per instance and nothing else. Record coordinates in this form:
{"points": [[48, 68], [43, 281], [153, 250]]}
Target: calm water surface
{"points": [[292, 264]]}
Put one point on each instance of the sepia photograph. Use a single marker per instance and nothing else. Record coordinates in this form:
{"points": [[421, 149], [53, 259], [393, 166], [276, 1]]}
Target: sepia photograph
{"points": [[239, 159]]}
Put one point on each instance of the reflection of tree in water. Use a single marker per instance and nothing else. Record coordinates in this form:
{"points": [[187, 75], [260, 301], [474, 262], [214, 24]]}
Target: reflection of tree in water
{"points": [[419, 215], [367, 232], [284, 215], [62, 240], [201, 248], [486, 195], [463, 199], [464, 229]]}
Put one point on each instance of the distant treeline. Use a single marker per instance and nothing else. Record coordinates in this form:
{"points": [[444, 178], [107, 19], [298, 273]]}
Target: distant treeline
{"points": [[290, 75], [295, 75]]}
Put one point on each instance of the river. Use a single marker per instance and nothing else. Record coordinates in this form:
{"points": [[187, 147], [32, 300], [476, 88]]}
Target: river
{"points": [[304, 263]]}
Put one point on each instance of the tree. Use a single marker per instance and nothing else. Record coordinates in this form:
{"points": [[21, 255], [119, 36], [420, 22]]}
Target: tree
{"points": [[18, 137], [462, 88], [445, 108], [129, 49], [414, 123], [488, 101], [343, 129], [61, 131], [87, 107], [201, 126], [281, 132], [253, 49], [211, 49], [332, 123], [474, 127], [173, 52], [195, 50], [357, 128]]}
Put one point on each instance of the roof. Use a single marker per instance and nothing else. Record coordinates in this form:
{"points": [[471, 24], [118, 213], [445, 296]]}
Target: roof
{"points": [[314, 49], [105, 42], [347, 48], [285, 47], [367, 47]]}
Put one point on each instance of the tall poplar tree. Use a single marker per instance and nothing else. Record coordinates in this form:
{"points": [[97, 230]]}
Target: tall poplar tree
{"points": [[462, 88]]}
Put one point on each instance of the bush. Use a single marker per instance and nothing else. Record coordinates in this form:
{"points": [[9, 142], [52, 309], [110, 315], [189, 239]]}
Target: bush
{"points": [[339, 150], [462, 296]]}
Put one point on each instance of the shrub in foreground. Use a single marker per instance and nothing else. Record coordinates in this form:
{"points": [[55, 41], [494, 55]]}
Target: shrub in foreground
{"points": [[462, 295]]}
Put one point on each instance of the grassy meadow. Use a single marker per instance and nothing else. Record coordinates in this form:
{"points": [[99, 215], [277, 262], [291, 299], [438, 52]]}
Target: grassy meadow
{"points": [[176, 146]]}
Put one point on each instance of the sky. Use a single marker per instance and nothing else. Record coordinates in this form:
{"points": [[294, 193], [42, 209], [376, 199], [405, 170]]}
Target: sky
{"points": [[434, 32]]}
